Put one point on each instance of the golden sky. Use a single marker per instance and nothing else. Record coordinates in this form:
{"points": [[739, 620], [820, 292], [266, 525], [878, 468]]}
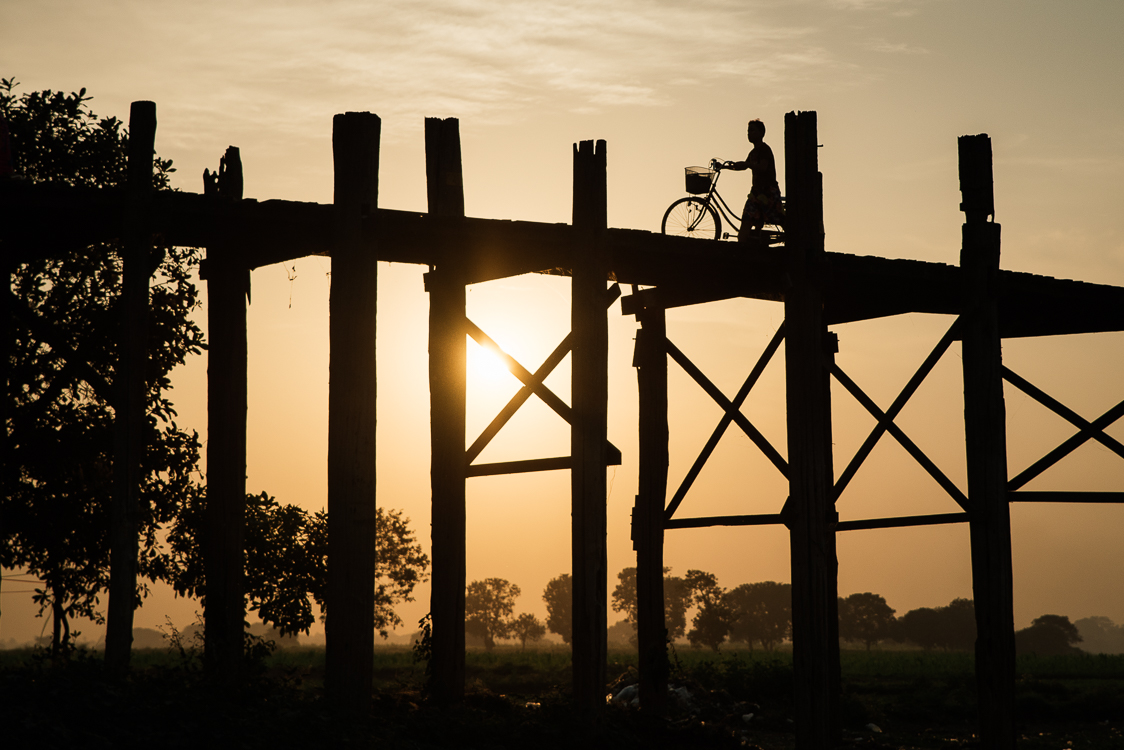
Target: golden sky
{"points": [[667, 84]]}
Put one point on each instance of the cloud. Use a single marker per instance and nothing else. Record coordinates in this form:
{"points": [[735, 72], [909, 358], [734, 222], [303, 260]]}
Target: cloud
{"points": [[482, 58], [895, 48]]}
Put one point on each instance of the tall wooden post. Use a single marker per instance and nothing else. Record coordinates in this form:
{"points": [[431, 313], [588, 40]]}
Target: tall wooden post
{"points": [[810, 513], [129, 385], [228, 287], [589, 428], [648, 513], [447, 372], [351, 414], [986, 444]]}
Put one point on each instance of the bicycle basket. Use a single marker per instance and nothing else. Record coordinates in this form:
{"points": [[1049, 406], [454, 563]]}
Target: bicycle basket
{"points": [[699, 179]]}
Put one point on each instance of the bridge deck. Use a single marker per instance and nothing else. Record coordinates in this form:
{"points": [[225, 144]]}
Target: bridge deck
{"points": [[57, 218]]}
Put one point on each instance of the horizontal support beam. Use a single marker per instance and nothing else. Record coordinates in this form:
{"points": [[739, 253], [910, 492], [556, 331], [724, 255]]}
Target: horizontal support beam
{"points": [[902, 522], [1065, 497], [687, 270], [612, 458], [764, 519]]}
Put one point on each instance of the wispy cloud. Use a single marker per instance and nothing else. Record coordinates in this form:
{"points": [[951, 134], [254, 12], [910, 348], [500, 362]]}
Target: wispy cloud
{"points": [[488, 58], [895, 48]]}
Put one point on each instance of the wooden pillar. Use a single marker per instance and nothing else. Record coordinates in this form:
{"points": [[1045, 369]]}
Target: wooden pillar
{"points": [[447, 372], [130, 391], [810, 512], [351, 415], [648, 514], [228, 288], [986, 445], [588, 430]]}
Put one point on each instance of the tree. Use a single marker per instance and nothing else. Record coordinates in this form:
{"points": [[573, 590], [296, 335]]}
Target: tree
{"points": [[527, 627], [1048, 635], [711, 622], [676, 601], [959, 624], [1100, 635], [865, 617], [922, 627], [488, 609], [287, 562], [761, 612], [559, 598], [58, 465], [951, 627]]}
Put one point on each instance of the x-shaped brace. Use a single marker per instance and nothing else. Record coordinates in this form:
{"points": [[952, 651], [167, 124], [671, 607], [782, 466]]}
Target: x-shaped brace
{"points": [[1087, 430], [885, 422], [532, 383], [732, 413]]}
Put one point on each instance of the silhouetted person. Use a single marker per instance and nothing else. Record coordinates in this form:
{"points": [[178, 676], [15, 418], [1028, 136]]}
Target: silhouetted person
{"points": [[763, 205]]}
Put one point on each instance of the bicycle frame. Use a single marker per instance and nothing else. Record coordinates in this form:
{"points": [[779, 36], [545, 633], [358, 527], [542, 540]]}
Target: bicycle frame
{"points": [[723, 208]]}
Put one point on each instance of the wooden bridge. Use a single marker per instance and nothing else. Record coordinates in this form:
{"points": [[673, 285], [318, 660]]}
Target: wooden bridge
{"points": [[816, 287]]}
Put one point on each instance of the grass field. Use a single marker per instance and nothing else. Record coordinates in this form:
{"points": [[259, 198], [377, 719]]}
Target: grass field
{"points": [[519, 699]]}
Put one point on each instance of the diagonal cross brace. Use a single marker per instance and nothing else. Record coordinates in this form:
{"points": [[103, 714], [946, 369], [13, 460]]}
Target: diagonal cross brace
{"points": [[1087, 430], [893, 429], [896, 408], [532, 383], [732, 413]]}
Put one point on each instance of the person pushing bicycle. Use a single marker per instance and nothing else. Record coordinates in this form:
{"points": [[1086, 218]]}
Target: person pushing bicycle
{"points": [[763, 204]]}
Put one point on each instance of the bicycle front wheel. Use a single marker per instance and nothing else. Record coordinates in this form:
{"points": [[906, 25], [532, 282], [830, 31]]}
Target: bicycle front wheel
{"points": [[692, 217]]}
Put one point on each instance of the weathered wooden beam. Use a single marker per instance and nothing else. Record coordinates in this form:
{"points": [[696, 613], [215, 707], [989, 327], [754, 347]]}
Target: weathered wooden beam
{"points": [[447, 378], [810, 513], [349, 628], [648, 512], [130, 424], [228, 286], [760, 519], [1023, 496], [902, 521], [520, 467], [589, 428], [986, 447]]}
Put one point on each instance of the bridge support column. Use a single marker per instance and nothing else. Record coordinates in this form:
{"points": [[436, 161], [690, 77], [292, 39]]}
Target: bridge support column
{"points": [[986, 445], [228, 285], [648, 513], [589, 429], [349, 629], [447, 374], [810, 512]]}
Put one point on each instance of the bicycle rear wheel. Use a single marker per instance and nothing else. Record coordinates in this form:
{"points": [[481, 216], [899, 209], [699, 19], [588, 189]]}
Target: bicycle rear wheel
{"points": [[692, 217]]}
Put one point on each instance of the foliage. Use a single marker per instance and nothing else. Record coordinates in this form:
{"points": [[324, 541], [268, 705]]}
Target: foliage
{"points": [[711, 622], [761, 612], [951, 627], [488, 609], [57, 478], [527, 627], [1048, 635], [287, 562], [1100, 635], [676, 598], [559, 598], [866, 618]]}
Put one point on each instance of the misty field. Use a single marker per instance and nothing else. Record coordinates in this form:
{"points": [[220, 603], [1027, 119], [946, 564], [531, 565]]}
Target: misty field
{"points": [[891, 699]]}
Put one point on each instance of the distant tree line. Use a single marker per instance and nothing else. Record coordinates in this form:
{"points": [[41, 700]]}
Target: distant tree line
{"points": [[759, 615]]}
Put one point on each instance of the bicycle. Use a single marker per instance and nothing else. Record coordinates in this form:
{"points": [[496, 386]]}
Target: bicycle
{"points": [[702, 217]]}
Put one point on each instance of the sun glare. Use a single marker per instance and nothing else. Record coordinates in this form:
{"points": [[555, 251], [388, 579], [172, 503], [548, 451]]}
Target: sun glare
{"points": [[486, 368]]}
